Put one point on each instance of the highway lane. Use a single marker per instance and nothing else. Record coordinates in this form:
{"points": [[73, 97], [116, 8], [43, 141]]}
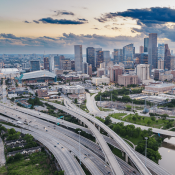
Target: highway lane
{"points": [[95, 165], [116, 169], [156, 168], [122, 163], [137, 162], [67, 162], [2, 156]]}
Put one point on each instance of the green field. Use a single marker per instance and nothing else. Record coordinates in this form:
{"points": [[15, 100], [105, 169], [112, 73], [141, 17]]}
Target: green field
{"points": [[117, 115], [104, 109], [36, 164], [144, 121], [3, 170]]}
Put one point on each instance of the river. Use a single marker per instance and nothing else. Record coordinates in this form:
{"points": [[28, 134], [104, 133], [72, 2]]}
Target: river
{"points": [[167, 151]]}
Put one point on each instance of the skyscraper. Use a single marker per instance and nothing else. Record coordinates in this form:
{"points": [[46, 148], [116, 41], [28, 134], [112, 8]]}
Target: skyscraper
{"points": [[106, 56], [128, 56], [141, 49], [78, 57], [85, 67], [34, 65], [152, 50], [57, 62], [46, 63], [167, 62], [146, 43], [96, 50], [51, 64], [100, 58], [90, 57], [161, 56], [118, 56]]}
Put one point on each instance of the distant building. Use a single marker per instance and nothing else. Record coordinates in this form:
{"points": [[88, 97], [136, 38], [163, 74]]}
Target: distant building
{"points": [[46, 63], [90, 57], [167, 62], [106, 56], [90, 70], [66, 64], [51, 64], [73, 65], [73, 89], [114, 72], [141, 49], [126, 79], [57, 62], [98, 80], [118, 56], [160, 64], [96, 50], [42, 93], [78, 57], [38, 77], [34, 65], [172, 63], [100, 72], [152, 50], [146, 43], [85, 68], [128, 56], [99, 58]]}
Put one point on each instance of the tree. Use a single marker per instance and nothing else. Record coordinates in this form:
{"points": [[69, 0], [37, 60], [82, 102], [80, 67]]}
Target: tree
{"points": [[76, 100], [108, 120], [12, 131], [149, 122], [153, 118]]}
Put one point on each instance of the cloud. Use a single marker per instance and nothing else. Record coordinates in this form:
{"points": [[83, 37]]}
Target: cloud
{"points": [[63, 12], [27, 22], [115, 28], [146, 16], [96, 28], [37, 22]]}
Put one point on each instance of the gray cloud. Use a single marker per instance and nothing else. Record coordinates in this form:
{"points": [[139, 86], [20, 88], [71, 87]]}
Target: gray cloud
{"points": [[146, 16], [63, 12]]}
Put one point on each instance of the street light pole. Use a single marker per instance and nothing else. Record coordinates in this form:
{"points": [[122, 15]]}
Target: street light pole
{"points": [[79, 148], [145, 149]]}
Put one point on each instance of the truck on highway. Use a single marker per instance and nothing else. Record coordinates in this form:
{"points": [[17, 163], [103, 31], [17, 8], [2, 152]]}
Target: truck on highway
{"points": [[18, 122]]}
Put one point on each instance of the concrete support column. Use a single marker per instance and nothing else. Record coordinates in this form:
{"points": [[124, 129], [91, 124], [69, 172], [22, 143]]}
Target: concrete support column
{"points": [[94, 124], [126, 158], [123, 154], [80, 122], [84, 124], [99, 128]]}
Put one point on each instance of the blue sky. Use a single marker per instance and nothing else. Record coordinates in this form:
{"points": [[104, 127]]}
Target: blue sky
{"points": [[54, 26]]}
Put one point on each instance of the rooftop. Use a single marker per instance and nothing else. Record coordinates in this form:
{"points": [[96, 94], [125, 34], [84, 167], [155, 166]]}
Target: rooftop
{"points": [[38, 74], [161, 85], [9, 70]]}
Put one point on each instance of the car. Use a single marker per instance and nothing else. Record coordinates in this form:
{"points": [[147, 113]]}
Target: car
{"points": [[58, 143], [46, 130], [30, 121], [55, 146]]}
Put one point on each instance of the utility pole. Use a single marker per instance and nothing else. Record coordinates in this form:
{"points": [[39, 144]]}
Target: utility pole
{"points": [[100, 100], [145, 149], [79, 148]]}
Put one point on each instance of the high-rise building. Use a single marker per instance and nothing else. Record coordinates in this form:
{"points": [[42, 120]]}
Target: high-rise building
{"points": [[171, 52], [114, 71], [46, 63], [51, 64], [161, 51], [34, 65], [90, 69], [66, 64], [143, 72], [90, 57], [144, 58], [73, 65], [146, 43], [57, 62], [141, 49], [128, 56], [118, 56], [106, 56], [167, 61], [152, 50], [78, 57], [100, 58], [96, 50], [160, 64], [85, 68]]}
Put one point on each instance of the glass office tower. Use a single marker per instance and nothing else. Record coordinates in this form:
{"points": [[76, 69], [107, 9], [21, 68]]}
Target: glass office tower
{"points": [[128, 57]]}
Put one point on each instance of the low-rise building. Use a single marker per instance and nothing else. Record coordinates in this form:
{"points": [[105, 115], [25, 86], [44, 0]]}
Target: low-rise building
{"points": [[159, 88], [73, 89], [98, 80], [127, 79], [42, 93]]}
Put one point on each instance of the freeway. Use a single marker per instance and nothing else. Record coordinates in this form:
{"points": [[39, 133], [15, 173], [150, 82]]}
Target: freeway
{"points": [[126, 168], [115, 167], [151, 165], [67, 162], [2, 157]]}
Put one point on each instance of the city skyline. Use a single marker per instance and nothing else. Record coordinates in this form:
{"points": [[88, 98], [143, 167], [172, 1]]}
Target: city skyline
{"points": [[54, 27]]}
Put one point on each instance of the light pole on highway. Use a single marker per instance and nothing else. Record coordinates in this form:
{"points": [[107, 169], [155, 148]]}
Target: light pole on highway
{"points": [[146, 138], [79, 148]]}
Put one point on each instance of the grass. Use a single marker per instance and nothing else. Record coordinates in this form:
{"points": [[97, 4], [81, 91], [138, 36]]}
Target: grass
{"points": [[104, 109], [92, 94], [117, 152], [83, 107], [3, 170], [9, 124], [38, 164], [117, 115], [133, 140], [143, 121]]}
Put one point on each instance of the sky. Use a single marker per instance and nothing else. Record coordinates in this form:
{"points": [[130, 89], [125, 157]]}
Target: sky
{"points": [[55, 26]]}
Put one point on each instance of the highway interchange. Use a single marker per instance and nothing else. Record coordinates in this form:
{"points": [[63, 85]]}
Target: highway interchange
{"points": [[63, 143]]}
